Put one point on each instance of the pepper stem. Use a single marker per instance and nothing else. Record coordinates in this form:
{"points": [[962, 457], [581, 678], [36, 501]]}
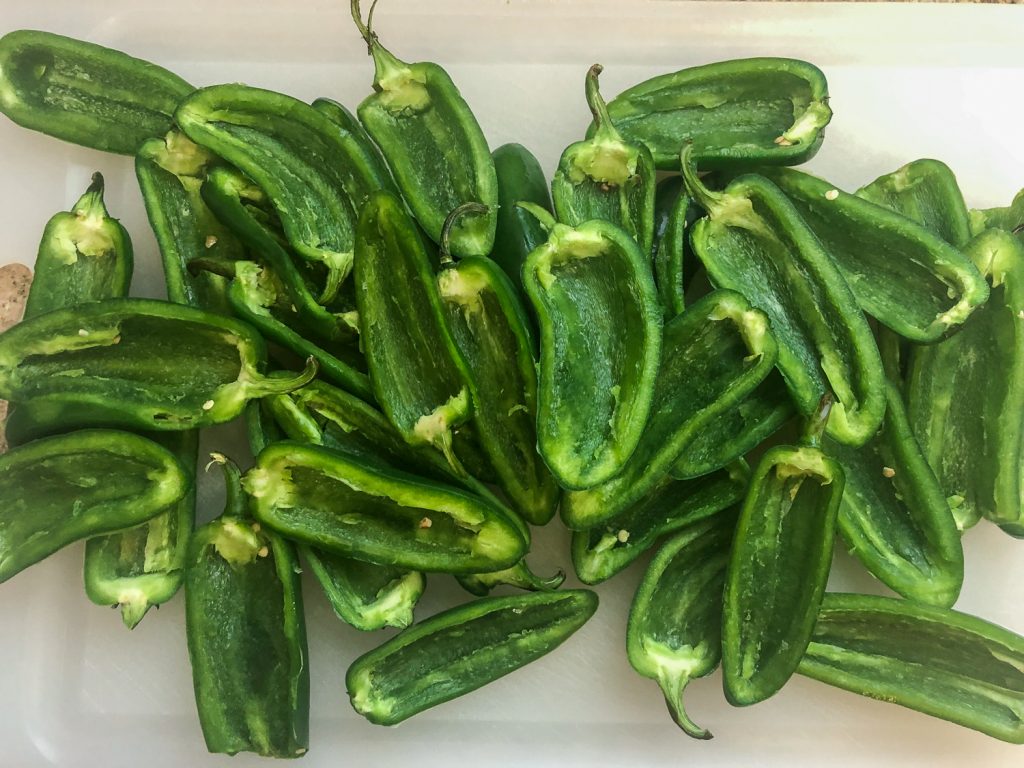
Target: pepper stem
{"points": [[258, 385], [365, 29], [543, 217], [236, 502], [818, 421], [90, 204], [449, 224], [704, 197], [597, 104], [673, 685], [519, 575]]}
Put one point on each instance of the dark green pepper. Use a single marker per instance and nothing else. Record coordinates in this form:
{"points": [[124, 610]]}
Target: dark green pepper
{"points": [[605, 177], [349, 123], [362, 509], [754, 242], [85, 93], [936, 661], [900, 273], [671, 206], [600, 345], [736, 113], [462, 649], [246, 634], [675, 622], [779, 564], [600, 552], [433, 143], [61, 489], [84, 256]]}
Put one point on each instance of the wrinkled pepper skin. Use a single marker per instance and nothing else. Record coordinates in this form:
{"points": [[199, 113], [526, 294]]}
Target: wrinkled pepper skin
{"points": [[713, 356], [84, 256], [765, 111], [605, 177], [359, 509], [246, 634], [600, 346], [600, 552], [58, 490], [894, 516], [205, 372], [754, 242], [964, 395], [936, 661], [674, 633], [909, 279], [671, 206], [433, 143], [85, 93], [462, 649]]}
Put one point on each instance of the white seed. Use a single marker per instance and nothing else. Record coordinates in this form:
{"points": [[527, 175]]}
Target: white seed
{"points": [[622, 536], [832, 194], [264, 551], [82, 332], [211, 240], [426, 522], [888, 472], [208, 405]]}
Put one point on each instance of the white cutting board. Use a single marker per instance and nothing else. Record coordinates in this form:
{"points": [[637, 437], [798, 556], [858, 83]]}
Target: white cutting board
{"points": [[909, 81]]}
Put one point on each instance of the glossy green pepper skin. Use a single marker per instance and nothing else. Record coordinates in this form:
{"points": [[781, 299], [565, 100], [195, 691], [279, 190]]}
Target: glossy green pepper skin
{"points": [[437, 152], [754, 241], [713, 356], [462, 649], [768, 111], [1009, 219], [246, 634], [936, 661], [58, 490], [85, 93], [84, 256], [671, 207], [206, 370], [600, 346], [349, 123], [894, 515], [360, 509], [605, 177], [675, 622]]}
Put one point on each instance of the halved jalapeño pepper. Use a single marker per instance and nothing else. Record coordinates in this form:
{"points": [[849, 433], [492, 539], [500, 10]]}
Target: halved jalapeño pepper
{"points": [[755, 242], [59, 490], [600, 345], [936, 661], [739, 113], [364, 510], [605, 177], [85, 93], [462, 649]]}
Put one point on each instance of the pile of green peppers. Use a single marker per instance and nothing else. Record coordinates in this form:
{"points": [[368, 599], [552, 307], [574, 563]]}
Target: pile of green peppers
{"points": [[433, 349]]}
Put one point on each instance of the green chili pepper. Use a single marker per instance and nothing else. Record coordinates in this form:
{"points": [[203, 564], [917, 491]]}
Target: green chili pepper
{"points": [[84, 256], [520, 178], [246, 633], [606, 177], [779, 564], [361, 509], [260, 429], [462, 649], [61, 489], [490, 330], [675, 622], [433, 143], [1010, 218], [937, 661], [315, 174], [894, 515], [963, 394], [418, 376], [736, 113], [139, 363], [85, 93], [349, 123], [671, 206], [600, 345], [900, 273], [600, 552], [754, 242], [713, 355]]}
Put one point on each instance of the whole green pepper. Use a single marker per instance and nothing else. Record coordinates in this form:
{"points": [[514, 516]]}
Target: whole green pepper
{"points": [[675, 622], [933, 660], [84, 256], [246, 634], [671, 206], [605, 177], [600, 345], [462, 649], [433, 143], [754, 241], [779, 564], [85, 93], [61, 489], [736, 113]]}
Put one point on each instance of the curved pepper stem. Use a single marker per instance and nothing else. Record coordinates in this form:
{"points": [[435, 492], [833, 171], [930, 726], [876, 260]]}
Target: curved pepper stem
{"points": [[365, 29], [673, 685], [258, 385], [816, 424], [236, 503], [449, 224], [90, 204], [597, 104], [707, 199], [543, 216], [519, 576]]}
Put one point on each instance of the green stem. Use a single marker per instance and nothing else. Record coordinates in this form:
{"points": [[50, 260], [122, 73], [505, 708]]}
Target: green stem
{"points": [[598, 107], [90, 204], [704, 197], [546, 220], [258, 385], [449, 224], [236, 503], [673, 686]]}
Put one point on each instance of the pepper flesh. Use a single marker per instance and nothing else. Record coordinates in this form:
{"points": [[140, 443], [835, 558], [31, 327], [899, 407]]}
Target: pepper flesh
{"points": [[671, 206]]}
